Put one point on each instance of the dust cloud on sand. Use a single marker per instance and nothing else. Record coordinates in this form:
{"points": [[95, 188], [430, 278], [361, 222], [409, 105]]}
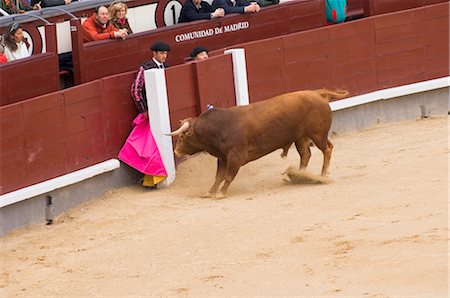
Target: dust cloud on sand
{"points": [[378, 229]]}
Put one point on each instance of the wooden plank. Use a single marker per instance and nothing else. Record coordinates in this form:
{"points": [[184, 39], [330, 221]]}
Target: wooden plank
{"points": [[215, 82], [399, 18], [42, 78], [181, 87], [376, 7], [397, 69]]}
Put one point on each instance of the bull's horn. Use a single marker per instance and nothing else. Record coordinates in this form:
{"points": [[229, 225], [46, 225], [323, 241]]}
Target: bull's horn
{"points": [[182, 128]]}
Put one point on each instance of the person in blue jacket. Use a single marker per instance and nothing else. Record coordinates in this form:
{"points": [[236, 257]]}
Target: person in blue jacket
{"points": [[194, 10], [236, 6]]}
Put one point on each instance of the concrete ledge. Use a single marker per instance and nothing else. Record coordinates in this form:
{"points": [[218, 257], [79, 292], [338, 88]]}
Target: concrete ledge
{"points": [[58, 182], [390, 93], [407, 107], [33, 209]]}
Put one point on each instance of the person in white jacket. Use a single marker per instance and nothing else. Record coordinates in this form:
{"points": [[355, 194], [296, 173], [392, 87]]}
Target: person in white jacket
{"points": [[15, 47]]}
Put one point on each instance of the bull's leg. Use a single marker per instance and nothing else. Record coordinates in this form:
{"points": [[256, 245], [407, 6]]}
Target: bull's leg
{"points": [[221, 167], [302, 146], [326, 147], [233, 166], [327, 158], [285, 151]]}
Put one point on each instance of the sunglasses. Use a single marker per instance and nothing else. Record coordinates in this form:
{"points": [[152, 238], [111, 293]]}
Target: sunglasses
{"points": [[14, 27]]}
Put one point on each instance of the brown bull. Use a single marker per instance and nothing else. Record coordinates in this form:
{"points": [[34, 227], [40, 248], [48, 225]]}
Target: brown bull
{"points": [[241, 134]]}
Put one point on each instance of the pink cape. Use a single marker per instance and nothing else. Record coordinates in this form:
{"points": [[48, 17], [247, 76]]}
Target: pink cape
{"points": [[140, 150]]}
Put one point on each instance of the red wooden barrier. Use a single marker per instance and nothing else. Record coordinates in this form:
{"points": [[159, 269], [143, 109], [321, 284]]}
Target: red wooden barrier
{"points": [[58, 133], [361, 56], [98, 59], [32, 76], [355, 9], [376, 7]]}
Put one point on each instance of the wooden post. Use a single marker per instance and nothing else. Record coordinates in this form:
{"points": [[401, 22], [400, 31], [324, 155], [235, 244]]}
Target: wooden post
{"points": [[51, 46], [76, 31]]}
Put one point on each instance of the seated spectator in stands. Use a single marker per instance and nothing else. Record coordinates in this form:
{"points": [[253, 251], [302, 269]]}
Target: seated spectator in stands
{"points": [[118, 16], [49, 3], [98, 27], [236, 6], [10, 6], [263, 3], [336, 11], [15, 47], [199, 54], [194, 10], [140, 150], [3, 59]]}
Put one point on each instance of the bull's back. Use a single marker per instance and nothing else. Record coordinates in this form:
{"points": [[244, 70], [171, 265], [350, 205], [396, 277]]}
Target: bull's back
{"points": [[295, 112], [260, 128], [278, 122]]}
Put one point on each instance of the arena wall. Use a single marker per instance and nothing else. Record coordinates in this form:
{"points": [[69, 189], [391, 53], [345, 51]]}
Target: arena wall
{"points": [[423, 104], [63, 132]]}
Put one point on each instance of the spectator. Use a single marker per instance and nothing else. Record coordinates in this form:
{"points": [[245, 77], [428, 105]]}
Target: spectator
{"points": [[336, 11], [263, 3], [194, 10], [49, 3], [118, 16], [3, 59], [140, 150], [199, 54], [15, 47], [10, 6], [98, 27], [236, 6]]}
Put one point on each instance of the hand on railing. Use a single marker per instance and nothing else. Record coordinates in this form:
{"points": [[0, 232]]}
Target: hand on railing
{"points": [[121, 33], [253, 7], [219, 12]]}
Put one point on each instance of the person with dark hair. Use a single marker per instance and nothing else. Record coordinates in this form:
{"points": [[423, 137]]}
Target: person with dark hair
{"points": [[160, 51], [15, 47], [140, 150], [236, 6], [98, 27], [194, 10], [199, 54]]}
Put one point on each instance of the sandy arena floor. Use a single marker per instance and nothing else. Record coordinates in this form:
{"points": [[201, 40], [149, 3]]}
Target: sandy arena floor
{"points": [[380, 229]]}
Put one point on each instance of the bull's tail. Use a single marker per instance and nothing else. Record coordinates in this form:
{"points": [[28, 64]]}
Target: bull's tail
{"points": [[332, 94]]}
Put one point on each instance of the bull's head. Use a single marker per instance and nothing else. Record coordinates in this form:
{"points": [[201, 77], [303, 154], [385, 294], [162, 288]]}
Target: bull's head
{"points": [[187, 143]]}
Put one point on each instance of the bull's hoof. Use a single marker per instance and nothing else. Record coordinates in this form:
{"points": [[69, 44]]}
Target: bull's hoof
{"points": [[206, 195], [220, 196]]}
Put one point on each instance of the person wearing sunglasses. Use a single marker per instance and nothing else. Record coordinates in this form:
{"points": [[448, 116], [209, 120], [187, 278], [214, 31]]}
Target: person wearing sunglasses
{"points": [[15, 47]]}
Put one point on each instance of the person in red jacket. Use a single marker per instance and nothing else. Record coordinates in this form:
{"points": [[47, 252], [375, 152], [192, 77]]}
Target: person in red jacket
{"points": [[98, 27]]}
